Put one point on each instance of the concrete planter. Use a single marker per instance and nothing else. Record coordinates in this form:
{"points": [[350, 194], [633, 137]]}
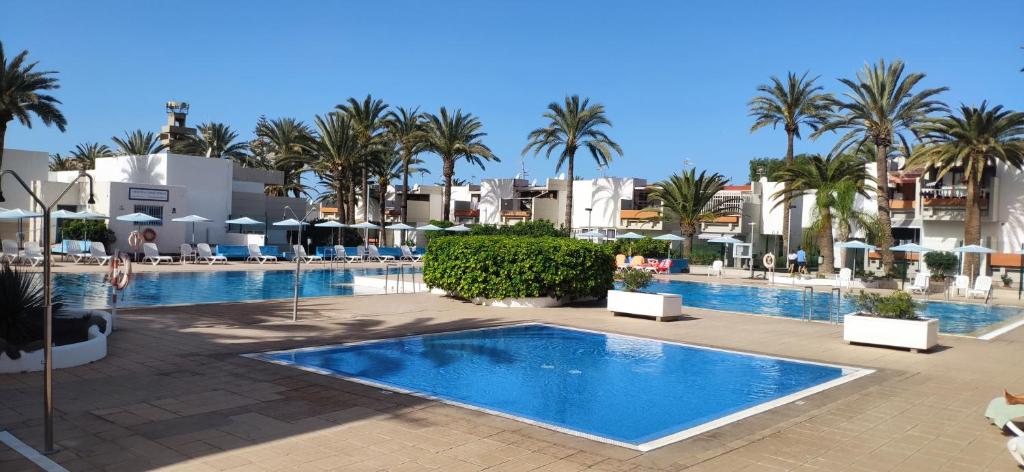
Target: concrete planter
{"points": [[916, 335], [523, 302], [68, 355], [660, 306]]}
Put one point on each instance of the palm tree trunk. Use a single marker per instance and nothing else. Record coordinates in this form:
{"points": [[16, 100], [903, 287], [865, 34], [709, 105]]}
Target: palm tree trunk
{"points": [[382, 197], [785, 208], [338, 184], [825, 242], [568, 193], [405, 191], [972, 226], [350, 193], [884, 215], [366, 196], [688, 236], [3, 137], [449, 172]]}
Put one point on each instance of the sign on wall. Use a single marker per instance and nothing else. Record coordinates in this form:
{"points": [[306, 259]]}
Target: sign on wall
{"points": [[148, 194]]}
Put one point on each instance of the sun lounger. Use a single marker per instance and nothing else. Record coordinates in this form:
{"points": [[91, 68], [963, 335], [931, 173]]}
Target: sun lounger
{"points": [[661, 267], [10, 253], [97, 253], [33, 255], [152, 254], [920, 285], [206, 255], [961, 283], [620, 261], [187, 254], [982, 287], [256, 254], [75, 251], [407, 255], [716, 269], [375, 255], [340, 254], [1001, 413], [300, 252]]}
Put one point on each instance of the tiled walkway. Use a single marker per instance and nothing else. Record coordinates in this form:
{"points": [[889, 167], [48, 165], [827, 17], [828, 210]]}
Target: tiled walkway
{"points": [[175, 393]]}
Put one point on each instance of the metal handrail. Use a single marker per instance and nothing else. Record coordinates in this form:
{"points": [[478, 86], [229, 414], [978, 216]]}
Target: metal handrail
{"points": [[807, 310], [835, 299]]}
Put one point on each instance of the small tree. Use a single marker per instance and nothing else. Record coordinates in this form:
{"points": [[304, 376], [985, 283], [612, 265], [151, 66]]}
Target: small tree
{"points": [[941, 263]]}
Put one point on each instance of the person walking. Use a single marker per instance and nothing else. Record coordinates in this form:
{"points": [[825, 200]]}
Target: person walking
{"points": [[791, 262], [801, 260]]}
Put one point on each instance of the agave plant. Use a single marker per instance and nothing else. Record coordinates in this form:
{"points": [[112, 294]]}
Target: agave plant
{"points": [[21, 299]]}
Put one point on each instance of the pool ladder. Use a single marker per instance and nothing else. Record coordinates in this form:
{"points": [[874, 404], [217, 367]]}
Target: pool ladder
{"points": [[835, 299], [399, 277]]}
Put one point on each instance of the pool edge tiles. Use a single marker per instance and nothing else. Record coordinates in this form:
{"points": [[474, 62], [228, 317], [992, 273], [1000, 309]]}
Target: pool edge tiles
{"points": [[847, 374]]}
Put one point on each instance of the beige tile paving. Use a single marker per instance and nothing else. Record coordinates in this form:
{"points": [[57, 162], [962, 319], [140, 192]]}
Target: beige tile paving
{"points": [[175, 394]]}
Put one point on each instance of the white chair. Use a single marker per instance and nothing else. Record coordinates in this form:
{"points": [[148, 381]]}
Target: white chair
{"points": [[97, 253], [375, 255], [340, 254], [961, 283], [10, 251], [187, 254], [152, 253], [982, 287], [300, 252], [920, 285], [716, 269], [33, 254], [206, 255], [255, 254], [76, 252], [407, 255], [845, 277]]}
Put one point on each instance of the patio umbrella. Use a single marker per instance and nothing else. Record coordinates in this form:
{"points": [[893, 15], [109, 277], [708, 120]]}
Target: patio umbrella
{"points": [[21, 216], [244, 221], [192, 219], [669, 237], [629, 235], [968, 249], [137, 219], [856, 245], [724, 240], [333, 224], [592, 234], [366, 226], [458, 229], [401, 227], [429, 228], [89, 215], [290, 222], [915, 248], [65, 215]]}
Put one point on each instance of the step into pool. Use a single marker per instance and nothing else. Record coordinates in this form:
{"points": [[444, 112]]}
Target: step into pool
{"points": [[634, 392]]}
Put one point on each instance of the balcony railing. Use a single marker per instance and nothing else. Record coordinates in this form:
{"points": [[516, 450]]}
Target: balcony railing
{"points": [[514, 214], [638, 214], [902, 205], [469, 213]]}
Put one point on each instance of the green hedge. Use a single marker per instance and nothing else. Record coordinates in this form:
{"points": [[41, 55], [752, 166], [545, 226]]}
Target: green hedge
{"points": [[533, 229], [646, 247], [505, 266]]}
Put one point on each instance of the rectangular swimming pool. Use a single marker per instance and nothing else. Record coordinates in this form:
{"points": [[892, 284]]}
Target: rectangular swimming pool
{"points": [[633, 392], [954, 318]]}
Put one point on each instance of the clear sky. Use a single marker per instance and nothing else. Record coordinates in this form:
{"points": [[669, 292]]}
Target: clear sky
{"points": [[675, 76]]}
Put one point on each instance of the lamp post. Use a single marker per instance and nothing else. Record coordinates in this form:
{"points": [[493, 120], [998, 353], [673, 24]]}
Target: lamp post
{"points": [[590, 215], [47, 298], [298, 260], [751, 224]]}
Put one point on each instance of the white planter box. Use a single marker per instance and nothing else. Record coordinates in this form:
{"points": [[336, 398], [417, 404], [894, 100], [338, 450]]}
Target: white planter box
{"points": [[68, 355], [660, 306], [916, 335]]}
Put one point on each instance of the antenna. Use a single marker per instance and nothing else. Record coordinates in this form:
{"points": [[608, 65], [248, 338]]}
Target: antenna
{"points": [[522, 166], [687, 164]]}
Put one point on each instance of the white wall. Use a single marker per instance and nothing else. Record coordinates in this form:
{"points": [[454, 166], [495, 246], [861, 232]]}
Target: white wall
{"points": [[492, 191], [603, 196]]}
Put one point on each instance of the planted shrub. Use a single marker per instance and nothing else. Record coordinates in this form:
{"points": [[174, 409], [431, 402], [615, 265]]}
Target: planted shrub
{"points": [[899, 305], [646, 247], [634, 280], [941, 263], [533, 229], [703, 257], [516, 267]]}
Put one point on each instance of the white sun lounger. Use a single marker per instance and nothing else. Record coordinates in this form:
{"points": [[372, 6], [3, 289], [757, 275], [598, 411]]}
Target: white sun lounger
{"points": [[97, 253], [982, 287], [151, 253], [716, 269], [10, 251], [255, 254], [206, 255], [300, 252], [375, 255], [75, 251], [407, 255], [33, 255], [340, 254], [187, 254], [920, 285], [845, 277]]}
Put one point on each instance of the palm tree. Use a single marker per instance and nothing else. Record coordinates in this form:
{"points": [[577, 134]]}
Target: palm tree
{"points": [[979, 139], [405, 126], [86, 154], [21, 97], [333, 149], [573, 125], [795, 103], [390, 166], [453, 137], [823, 178], [284, 142], [138, 143], [690, 199], [59, 163], [218, 140], [369, 118], [880, 108]]}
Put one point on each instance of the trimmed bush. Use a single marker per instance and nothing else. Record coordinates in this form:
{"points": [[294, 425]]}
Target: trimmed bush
{"points": [[941, 263], [531, 229], [518, 267], [646, 247]]}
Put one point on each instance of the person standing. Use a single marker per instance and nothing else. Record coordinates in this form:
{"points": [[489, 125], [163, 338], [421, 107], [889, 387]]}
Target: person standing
{"points": [[801, 259], [791, 262]]}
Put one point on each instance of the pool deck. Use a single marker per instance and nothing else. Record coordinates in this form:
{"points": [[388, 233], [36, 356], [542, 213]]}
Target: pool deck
{"points": [[176, 393]]}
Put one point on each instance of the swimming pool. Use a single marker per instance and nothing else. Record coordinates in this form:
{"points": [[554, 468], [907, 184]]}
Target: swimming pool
{"points": [[635, 392], [954, 318], [178, 288]]}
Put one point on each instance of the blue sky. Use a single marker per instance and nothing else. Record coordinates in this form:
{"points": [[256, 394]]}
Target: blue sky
{"points": [[674, 76]]}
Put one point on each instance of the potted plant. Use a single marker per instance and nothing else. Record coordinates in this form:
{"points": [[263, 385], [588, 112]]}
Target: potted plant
{"points": [[1007, 280], [633, 300], [890, 320]]}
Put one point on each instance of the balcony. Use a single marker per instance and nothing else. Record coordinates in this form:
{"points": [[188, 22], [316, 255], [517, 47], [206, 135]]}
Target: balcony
{"points": [[515, 214], [469, 213], [903, 205], [949, 203], [637, 214]]}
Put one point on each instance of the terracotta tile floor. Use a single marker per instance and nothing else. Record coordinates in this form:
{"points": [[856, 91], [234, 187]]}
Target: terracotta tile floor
{"points": [[175, 393]]}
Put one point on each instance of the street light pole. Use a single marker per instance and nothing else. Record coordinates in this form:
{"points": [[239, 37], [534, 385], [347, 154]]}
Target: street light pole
{"points": [[751, 224], [48, 298]]}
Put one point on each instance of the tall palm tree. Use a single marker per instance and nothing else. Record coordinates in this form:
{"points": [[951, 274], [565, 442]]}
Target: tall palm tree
{"points": [[138, 143], [881, 107], [218, 140], [59, 163], [390, 166], [21, 96], [979, 138], [823, 178], [86, 154], [284, 141], [690, 199], [405, 127], [797, 102], [333, 149], [573, 125], [369, 118], [452, 137]]}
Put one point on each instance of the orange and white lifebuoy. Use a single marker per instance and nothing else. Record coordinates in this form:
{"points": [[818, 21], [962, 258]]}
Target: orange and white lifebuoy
{"points": [[149, 234], [135, 240], [120, 271], [768, 260]]}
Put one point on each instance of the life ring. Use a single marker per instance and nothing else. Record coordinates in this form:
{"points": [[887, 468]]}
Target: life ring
{"points": [[768, 260], [120, 271], [135, 240], [149, 234]]}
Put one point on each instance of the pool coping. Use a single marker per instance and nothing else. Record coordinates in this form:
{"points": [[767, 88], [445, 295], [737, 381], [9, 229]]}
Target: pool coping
{"points": [[849, 374]]}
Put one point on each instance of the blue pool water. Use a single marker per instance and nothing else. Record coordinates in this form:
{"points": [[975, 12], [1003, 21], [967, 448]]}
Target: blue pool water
{"points": [[955, 318], [626, 389], [175, 288]]}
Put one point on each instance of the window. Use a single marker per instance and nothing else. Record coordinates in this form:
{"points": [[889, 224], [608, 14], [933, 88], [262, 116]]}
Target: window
{"points": [[156, 211]]}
